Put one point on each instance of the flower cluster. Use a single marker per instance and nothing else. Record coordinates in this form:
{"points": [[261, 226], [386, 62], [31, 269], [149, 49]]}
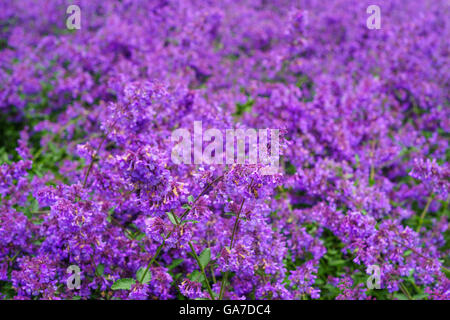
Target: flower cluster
{"points": [[86, 176]]}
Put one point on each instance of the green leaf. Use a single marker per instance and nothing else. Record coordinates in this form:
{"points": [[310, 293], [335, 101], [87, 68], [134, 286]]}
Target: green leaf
{"points": [[123, 284], [189, 220], [191, 199], [140, 236], [357, 160], [241, 108], [140, 273], [337, 262], [400, 296], [175, 263], [420, 296], [172, 217], [186, 206], [195, 276], [204, 257], [100, 269]]}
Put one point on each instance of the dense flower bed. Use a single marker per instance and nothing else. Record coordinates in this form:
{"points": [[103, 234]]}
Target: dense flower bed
{"points": [[87, 179]]}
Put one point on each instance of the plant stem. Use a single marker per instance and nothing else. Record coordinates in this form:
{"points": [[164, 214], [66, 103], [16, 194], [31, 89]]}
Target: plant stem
{"points": [[14, 257], [419, 254], [372, 166], [233, 235], [154, 258], [72, 121], [95, 155], [202, 269], [224, 280], [212, 274], [405, 291], [170, 233], [92, 161], [185, 213], [424, 212]]}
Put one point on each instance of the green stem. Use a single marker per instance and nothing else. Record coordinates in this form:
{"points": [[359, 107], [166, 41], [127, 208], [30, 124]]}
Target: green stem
{"points": [[372, 175], [92, 161], [222, 285], [372, 166], [419, 254], [185, 213], [405, 291], [424, 212], [202, 269], [212, 274], [236, 223], [446, 204], [95, 155], [72, 121], [224, 280], [170, 233], [154, 258], [14, 257]]}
